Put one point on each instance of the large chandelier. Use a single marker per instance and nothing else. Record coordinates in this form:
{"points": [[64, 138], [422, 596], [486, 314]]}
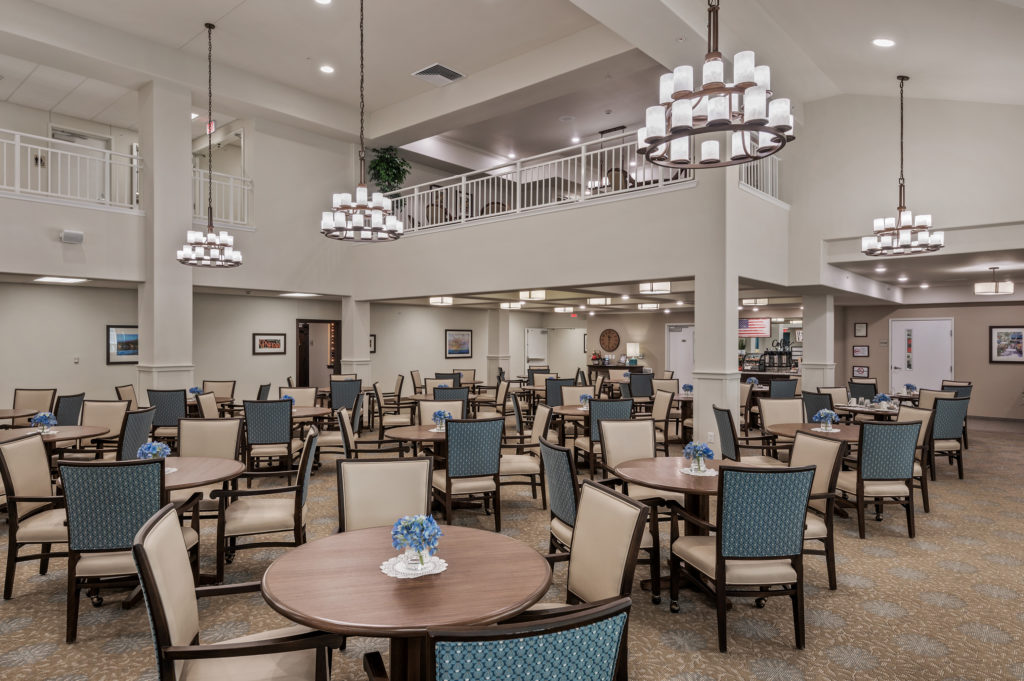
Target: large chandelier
{"points": [[905, 234], [209, 249], [758, 127], [366, 217]]}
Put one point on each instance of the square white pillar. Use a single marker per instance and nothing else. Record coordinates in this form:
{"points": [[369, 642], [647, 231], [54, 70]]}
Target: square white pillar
{"points": [[355, 339], [819, 367]]}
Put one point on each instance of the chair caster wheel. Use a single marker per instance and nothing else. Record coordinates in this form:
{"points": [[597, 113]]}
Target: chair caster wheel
{"points": [[673, 606], [656, 600], [760, 602], [229, 557], [97, 601]]}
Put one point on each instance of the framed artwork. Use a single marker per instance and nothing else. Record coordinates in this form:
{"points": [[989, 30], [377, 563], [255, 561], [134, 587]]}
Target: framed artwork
{"points": [[860, 351], [861, 372], [799, 335], [458, 343], [269, 343], [122, 344], [584, 342], [373, 343], [1006, 344], [860, 330]]}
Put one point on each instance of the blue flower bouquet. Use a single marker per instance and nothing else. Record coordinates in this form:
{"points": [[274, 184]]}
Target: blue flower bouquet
{"points": [[44, 420], [910, 387], [288, 397], [826, 417], [585, 400], [697, 452], [439, 417], [195, 390], [153, 450], [418, 535], [752, 381], [687, 388], [879, 398]]}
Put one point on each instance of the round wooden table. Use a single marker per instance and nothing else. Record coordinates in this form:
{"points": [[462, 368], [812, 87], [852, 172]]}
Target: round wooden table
{"points": [[59, 433], [16, 413], [309, 412], [336, 585], [664, 473], [844, 432], [183, 472], [867, 411]]}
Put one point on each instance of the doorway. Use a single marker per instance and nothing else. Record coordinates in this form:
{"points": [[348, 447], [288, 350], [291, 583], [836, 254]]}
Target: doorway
{"points": [[679, 351], [317, 351], [920, 352]]}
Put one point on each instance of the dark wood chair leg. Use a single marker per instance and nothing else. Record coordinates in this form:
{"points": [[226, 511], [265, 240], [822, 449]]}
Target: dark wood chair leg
{"points": [[931, 464], [960, 460], [497, 509], [721, 605], [798, 611], [673, 583], [12, 564], [910, 513], [830, 561], [924, 493], [74, 594], [860, 515], [44, 562], [655, 558], [543, 495]]}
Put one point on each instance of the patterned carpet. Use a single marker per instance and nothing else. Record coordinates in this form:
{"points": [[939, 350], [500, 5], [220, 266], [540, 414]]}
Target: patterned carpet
{"points": [[945, 606]]}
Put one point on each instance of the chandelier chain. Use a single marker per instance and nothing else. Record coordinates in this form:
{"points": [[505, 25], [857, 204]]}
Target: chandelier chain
{"points": [[713, 25], [362, 99], [209, 127]]}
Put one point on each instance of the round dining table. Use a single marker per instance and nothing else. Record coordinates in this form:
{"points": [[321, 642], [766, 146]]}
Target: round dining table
{"points": [[666, 473], [16, 413], [58, 434], [880, 413], [420, 434], [335, 584], [844, 432], [309, 412], [183, 472]]}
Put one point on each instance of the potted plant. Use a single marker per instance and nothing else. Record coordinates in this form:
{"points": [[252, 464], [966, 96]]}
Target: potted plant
{"points": [[388, 170]]}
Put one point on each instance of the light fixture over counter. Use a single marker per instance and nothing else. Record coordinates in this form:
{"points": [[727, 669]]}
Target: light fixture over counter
{"points": [[655, 287], [532, 295], [440, 300], [993, 288], [512, 306]]}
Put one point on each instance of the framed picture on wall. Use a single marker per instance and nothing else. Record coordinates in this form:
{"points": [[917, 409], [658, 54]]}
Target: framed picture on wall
{"points": [[585, 342], [799, 335], [1006, 344], [861, 372], [373, 343], [860, 330], [860, 350], [269, 343], [458, 343], [122, 344]]}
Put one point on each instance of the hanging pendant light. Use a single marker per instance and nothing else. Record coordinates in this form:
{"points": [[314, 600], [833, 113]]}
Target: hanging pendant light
{"points": [[905, 234], [993, 288], [729, 123], [209, 249], [362, 217]]}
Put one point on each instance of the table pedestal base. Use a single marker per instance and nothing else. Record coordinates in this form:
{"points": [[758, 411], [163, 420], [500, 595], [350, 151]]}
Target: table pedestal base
{"points": [[409, 659]]}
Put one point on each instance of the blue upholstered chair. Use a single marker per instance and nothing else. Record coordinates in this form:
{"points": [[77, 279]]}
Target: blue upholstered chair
{"points": [[584, 643], [345, 393], [553, 390], [293, 652], [450, 394], [733, 445], [265, 510], [885, 470], [170, 408], [107, 503], [589, 445], [815, 402], [564, 493], [268, 433], [757, 547], [862, 390], [948, 433], [641, 387], [473, 465], [454, 379], [962, 389], [264, 392], [135, 433], [69, 409], [782, 387]]}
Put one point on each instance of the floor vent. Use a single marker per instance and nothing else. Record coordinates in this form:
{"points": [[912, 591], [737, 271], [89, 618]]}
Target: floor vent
{"points": [[438, 75]]}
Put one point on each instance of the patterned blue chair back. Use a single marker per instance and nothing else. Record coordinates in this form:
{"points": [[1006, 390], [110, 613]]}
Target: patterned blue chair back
{"points": [[761, 513], [783, 387], [887, 450], [553, 390], [107, 502], [949, 418], [535, 370], [641, 385], [451, 394], [170, 407], [69, 409], [815, 402], [268, 422], [345, 393], [586, 651], [455, 378], [960, 390], [607, 409], [861, 390], [306, 463], [563, 490], [726, 433], [474, 447], [264, 392], [625, 391], [135, 433]]}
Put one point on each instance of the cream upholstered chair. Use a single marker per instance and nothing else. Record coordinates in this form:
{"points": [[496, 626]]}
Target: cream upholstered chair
{"points": [[215, 438], [840, 395], [34, 511], [377, 492], [304, 397], [669, 385], [563, 490], [263, 510], [598, 386], [571, 394], [909, 414], [424, 415], [220, 388], [290, 653], [926, 398], [733, 446], [417, 381], [824, 455], [430, 383], [666, 374], [757, 548], [466, 374], [39, 399], [540, 378], [472, 468], [127, 392], [525, 466], [107, 414], [661, 413], [780, 410], [352, 447], [487, 409], [207, 404], [386, 420]]}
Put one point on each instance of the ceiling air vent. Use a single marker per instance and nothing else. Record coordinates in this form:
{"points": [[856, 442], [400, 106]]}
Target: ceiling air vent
{"points": [[438, 75]]}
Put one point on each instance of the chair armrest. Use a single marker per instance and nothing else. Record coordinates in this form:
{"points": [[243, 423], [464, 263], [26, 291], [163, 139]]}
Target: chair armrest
{"points": [[609, 482], [268, 474], [53, 499], [556, 557], [191, 503], [520, 445], [754, 437], [284, 644], [373, 664], [678, 511], [231, 493], [227, 589]]}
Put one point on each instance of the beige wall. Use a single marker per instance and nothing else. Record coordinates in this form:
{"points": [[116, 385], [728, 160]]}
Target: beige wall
{"points": [[646, 329], [997, 387]]}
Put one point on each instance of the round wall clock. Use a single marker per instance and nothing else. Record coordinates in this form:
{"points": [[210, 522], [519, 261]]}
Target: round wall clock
{"points": [[609, 340]]}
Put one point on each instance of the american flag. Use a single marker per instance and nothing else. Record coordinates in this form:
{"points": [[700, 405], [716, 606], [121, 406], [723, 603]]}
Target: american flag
{"points": [[756, 328]]}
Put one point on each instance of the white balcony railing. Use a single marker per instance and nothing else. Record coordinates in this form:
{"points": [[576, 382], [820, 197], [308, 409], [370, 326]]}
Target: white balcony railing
{"points": [[40, 167], [576, 174], [232, 199], [763, 175]]}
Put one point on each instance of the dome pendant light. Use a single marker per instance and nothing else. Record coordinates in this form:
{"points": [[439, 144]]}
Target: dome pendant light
{"points": [[209, 249], [362, 217]]}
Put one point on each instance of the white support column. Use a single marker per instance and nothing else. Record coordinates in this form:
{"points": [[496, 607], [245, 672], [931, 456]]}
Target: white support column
{"points": [[355, 338], [165, 297], [497, 343], [716, 374], [819, 366]]}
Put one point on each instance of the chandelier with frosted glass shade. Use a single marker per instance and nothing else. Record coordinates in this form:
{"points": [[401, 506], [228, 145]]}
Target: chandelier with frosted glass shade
{"points": [[906, 233], [718, 123], [361, 216], [209, 249]]}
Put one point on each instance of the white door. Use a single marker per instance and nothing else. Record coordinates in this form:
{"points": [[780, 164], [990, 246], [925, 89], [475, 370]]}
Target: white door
{"points": [[679, 355], [565, 351], [920, 352], [536, 347]]}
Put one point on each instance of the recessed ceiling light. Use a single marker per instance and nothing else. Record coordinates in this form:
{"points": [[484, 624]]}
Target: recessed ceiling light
{"points": [[679, 302], [591, 313], [667, 311], [575, 140], [924, 284], [511, 155], [883, 42], [902, 277], [632, 164], [625, 297], [512, 306], [880, 268], [326, 68], [440, 300], [300, 295], [739, 307], [195, 116], [757, 309], [583, 307], [59, 280], [323, 2]]}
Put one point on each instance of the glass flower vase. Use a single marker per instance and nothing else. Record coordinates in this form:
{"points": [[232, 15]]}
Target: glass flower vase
{"points": [[415, 561], [697, 465]]}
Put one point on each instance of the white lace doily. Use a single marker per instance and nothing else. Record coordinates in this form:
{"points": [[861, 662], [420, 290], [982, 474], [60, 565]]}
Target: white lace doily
{"points": [[170, 470], [396, 567], [822, 430], [702, 474], [437, 430]]}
